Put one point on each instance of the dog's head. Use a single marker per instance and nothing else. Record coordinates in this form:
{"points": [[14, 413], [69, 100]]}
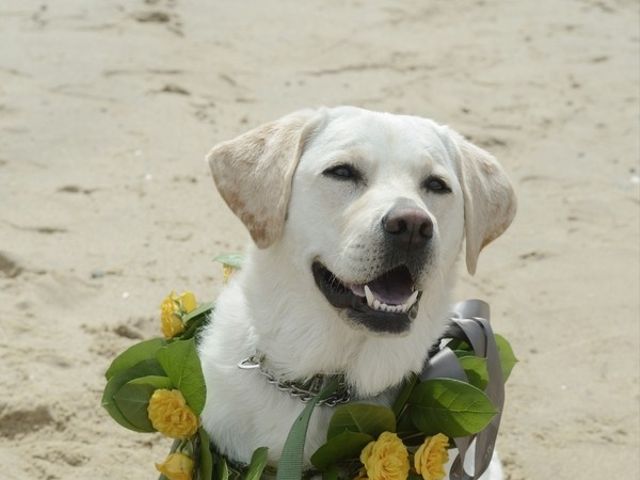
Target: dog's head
{"points": [[373, 206]]}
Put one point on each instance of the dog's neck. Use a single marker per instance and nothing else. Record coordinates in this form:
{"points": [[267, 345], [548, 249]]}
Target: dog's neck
{"points": [[301, 335]]}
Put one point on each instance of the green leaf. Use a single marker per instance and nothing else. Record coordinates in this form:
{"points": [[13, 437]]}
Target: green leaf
{"points": [[459, 344], [222, 469], [451, 407], [404, 425], [234, 260], [362, 418], [290, 463], [257, 464], [463, 353], [133, 400], [142, 369], [507, 358], [403, 395], [157, 381], [476, 370], [133, 355], [201, 309], [180, 361], [205, 459], [342, 446], [193, 325]]}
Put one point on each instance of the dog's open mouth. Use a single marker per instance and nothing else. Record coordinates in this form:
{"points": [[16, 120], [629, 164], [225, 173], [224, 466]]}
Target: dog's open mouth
{"points": [[386, 303]]}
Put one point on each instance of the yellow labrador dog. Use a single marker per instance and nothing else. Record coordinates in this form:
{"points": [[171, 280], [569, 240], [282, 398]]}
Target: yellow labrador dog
{"points": [[358, 218]]}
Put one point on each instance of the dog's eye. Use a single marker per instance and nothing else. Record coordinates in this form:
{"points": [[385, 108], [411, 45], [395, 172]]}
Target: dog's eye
{"points": [[343, 172], [436, 185]]}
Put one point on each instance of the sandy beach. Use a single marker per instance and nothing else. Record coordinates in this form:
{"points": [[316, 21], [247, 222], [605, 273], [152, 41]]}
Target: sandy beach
{"points": [[108, 108]]}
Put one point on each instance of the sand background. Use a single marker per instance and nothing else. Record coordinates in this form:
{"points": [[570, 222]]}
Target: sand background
{"points": [[106, 112]]}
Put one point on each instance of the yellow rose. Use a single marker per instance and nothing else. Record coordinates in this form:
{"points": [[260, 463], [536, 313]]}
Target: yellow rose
{"points": [[187, 301], [177, 466], [170, 322], [170, 414], [171, 310], [386, 458], [431, 457]]}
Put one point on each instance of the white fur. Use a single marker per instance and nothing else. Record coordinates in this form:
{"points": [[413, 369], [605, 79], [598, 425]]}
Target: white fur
{"points": [[273, 305]]}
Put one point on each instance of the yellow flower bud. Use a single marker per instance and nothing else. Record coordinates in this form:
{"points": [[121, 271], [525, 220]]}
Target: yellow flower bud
{"points": [[177, 466], [169, 414], [227, 271], [386, 459], [431, 457], [170, 322], [187, 302]]}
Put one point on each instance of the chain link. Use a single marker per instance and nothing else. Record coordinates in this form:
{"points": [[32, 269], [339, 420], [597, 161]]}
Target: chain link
{"points": [[303, 391]]}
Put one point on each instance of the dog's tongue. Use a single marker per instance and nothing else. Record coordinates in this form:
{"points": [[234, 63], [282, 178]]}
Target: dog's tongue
{"points": [[393, 288]]}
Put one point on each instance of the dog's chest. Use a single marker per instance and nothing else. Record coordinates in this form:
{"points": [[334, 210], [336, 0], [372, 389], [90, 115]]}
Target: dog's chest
{"points": [[247, 412]]}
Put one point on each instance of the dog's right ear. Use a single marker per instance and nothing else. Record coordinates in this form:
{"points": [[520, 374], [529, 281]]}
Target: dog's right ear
{"points": [[489, 200], [254, 172]]}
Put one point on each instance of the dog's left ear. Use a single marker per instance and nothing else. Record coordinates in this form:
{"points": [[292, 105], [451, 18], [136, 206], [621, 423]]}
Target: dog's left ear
{"points": [[254, 171], [489, 200]]}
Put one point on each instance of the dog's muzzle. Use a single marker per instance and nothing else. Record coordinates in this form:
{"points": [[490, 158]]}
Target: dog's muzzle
{"points": [[389, 302], [386, 304]]}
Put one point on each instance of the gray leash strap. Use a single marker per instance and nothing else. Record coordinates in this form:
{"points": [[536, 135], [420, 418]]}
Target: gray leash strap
{"points": [[470, 322]]}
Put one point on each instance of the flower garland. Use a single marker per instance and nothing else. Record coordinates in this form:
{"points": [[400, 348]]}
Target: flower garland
{"points": [[157, 386]]}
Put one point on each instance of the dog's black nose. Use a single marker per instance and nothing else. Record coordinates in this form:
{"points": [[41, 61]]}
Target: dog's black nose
{"points": [[408, 225]]}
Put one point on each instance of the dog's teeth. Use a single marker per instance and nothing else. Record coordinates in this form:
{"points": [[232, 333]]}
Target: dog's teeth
{"points": [[412, 299], [376, 304], [406, 306], [369, 295]]}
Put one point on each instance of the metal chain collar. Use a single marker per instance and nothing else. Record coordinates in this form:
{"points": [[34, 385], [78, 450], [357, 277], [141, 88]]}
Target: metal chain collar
{"points": [[303, 390]]}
